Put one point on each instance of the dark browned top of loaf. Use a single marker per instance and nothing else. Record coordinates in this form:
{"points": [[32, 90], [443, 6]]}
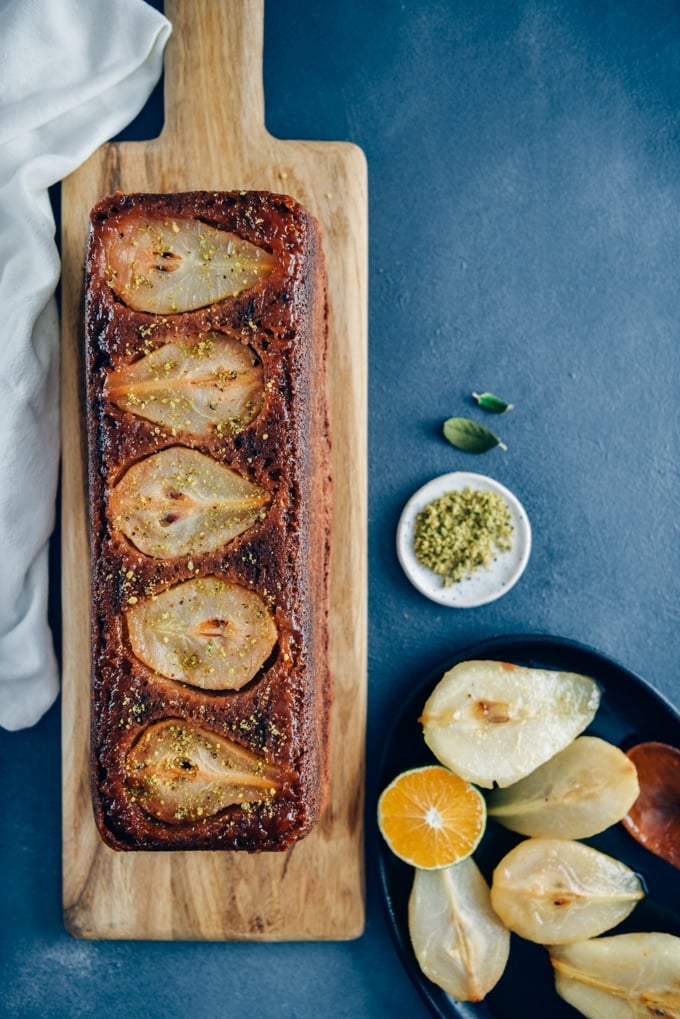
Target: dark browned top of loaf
{"points": [[283, 713]]}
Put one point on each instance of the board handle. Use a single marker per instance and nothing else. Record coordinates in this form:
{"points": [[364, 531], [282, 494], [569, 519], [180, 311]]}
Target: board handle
{"points": [[213, 69]]}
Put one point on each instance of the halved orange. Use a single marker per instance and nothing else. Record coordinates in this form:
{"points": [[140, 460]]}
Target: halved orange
{"points": [[431, 818]]}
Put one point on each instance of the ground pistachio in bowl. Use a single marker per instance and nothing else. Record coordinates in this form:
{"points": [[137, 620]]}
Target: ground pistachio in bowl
{"points": [[463, 539], [461, 532]]}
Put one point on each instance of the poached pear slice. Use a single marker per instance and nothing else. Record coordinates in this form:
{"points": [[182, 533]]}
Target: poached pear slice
{"points": [[493, 722], [179, 502], [654, 819], [211, 383], [166, 266], [180, 772], [557, 891], [458, 940], [579, 792], [624, 976], [205, 632]]}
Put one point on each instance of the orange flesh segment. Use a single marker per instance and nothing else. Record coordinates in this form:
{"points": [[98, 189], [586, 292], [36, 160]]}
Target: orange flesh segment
{"points": [[431, 818]]}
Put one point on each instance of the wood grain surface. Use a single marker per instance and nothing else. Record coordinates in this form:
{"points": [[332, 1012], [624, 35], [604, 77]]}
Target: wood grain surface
{"points": [[315, 890]]}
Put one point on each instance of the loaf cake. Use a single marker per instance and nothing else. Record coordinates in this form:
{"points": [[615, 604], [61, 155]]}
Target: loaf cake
{"points": [[209, 499]]}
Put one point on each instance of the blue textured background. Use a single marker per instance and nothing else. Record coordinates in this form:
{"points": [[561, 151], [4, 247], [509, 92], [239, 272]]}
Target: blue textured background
{"points": [[524, 176]]}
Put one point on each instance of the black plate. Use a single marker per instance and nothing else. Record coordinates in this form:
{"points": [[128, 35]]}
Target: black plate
{"points": [[630, 712]]}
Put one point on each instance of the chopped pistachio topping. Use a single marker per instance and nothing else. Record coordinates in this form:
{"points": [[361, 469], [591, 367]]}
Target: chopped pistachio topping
{"points": [[462, 532]]}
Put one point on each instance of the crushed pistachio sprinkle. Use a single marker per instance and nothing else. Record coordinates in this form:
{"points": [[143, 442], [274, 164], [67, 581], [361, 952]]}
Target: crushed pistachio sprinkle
{"points": [[462, 532]]}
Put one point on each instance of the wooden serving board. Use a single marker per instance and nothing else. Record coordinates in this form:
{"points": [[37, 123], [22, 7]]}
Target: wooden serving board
{"points": [[315, 890]]}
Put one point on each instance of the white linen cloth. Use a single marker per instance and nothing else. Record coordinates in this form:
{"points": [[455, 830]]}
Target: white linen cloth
{"points": [[73, 73]]}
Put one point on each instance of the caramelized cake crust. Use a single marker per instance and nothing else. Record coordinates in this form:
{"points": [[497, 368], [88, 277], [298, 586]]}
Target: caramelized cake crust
{"points": [[208, 453]]}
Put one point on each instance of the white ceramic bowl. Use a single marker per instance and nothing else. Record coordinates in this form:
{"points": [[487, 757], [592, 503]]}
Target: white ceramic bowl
{"points": [[485, 585]]}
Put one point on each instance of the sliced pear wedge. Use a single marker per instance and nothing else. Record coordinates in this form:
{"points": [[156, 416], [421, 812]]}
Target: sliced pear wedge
{"points": [[458, 940], [179, 502], [556, 891], [206, 632], [166, 266], [626, 976], [492, 722], [199, 385], [179, 772], [579, 792]]}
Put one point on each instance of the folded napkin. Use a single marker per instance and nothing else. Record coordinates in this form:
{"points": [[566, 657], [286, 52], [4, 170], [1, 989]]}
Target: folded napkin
{"points": [[73, 73]]}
